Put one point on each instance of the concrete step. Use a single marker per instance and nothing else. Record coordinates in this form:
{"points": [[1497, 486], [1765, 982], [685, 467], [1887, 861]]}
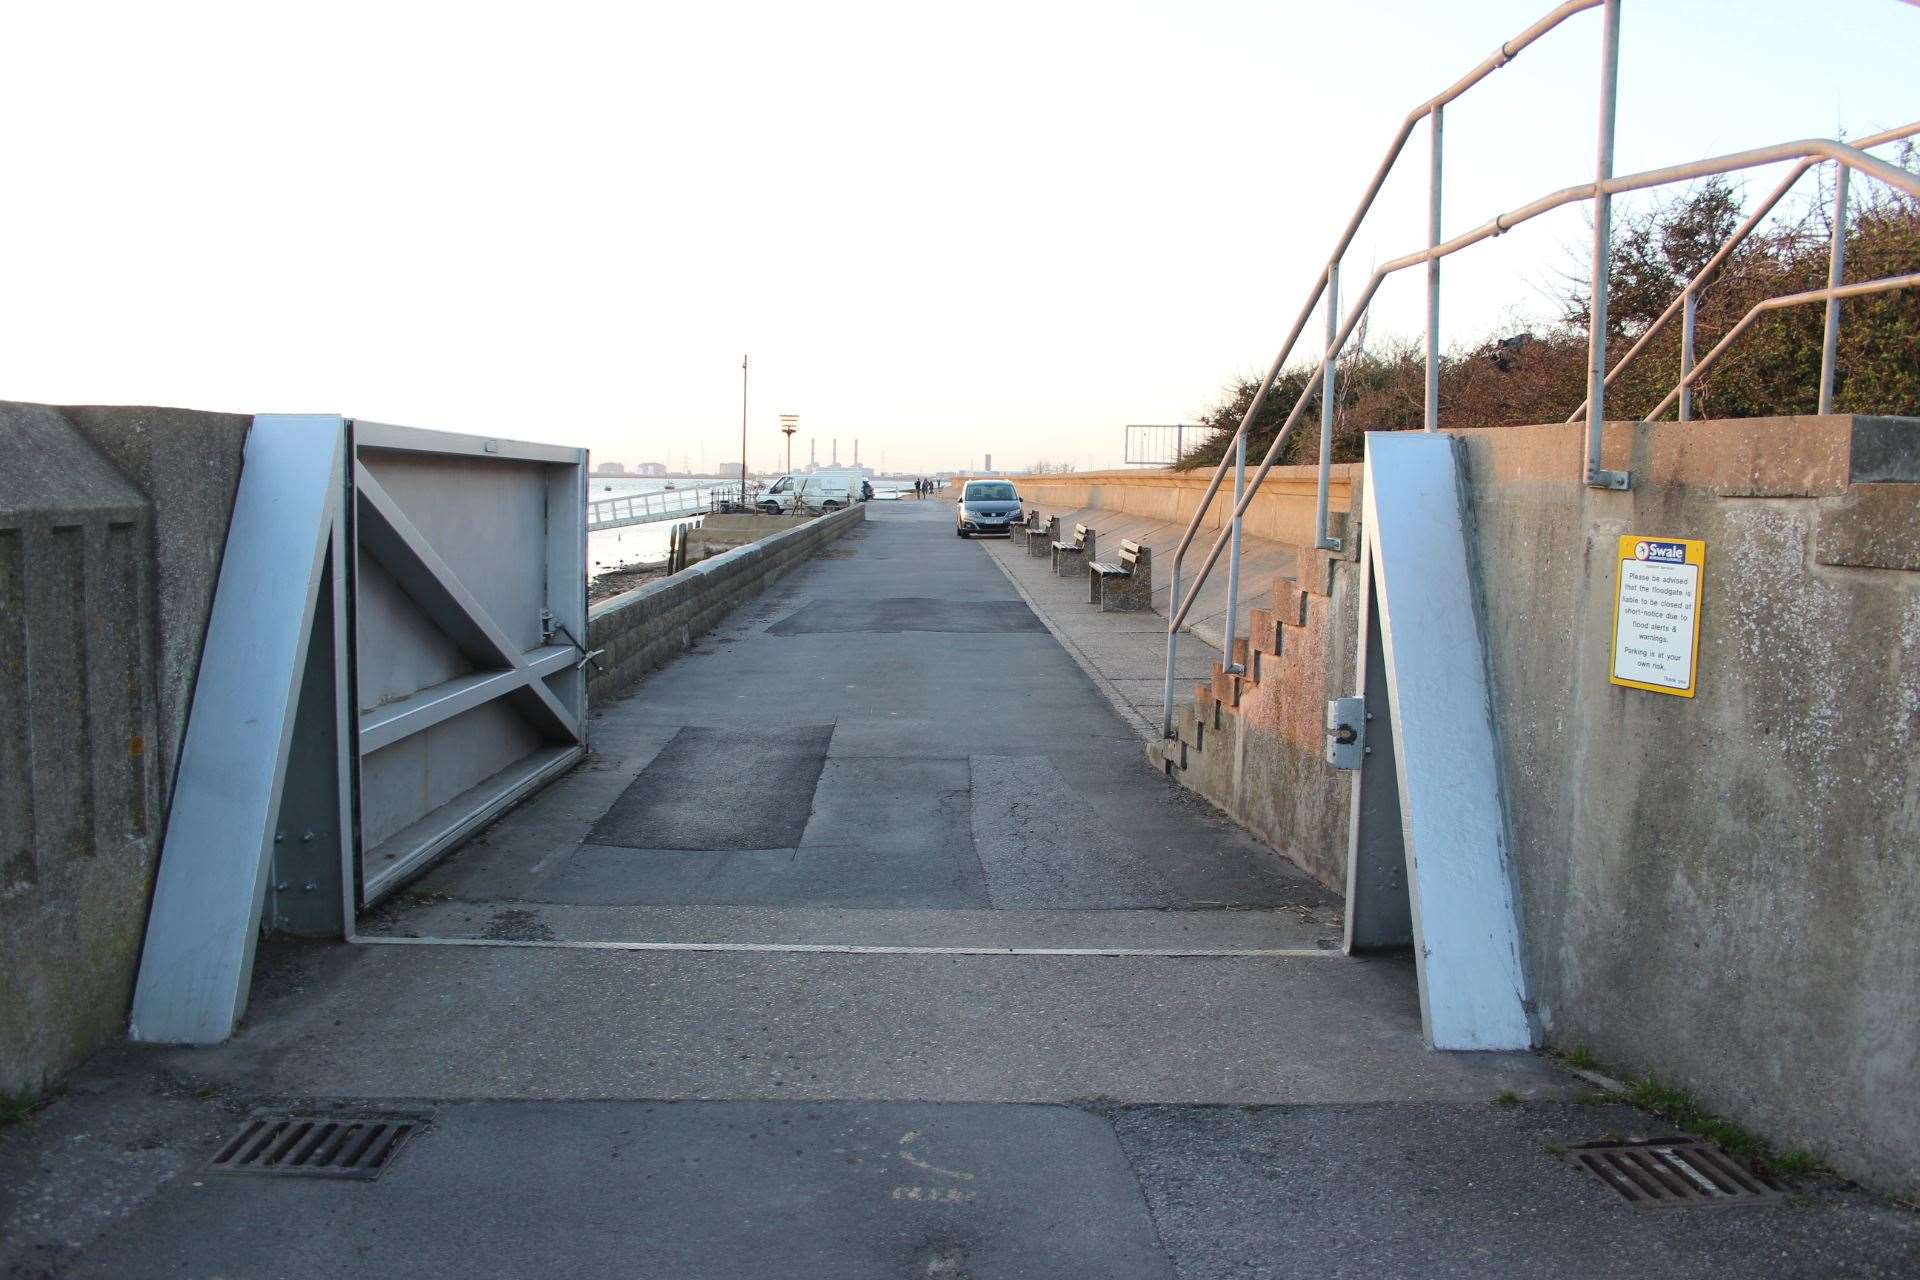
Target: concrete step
{"points": [[1246, 655], [400, 1020], [1264, 631], [1316, 569], [1191, 731], [1289, 604]]}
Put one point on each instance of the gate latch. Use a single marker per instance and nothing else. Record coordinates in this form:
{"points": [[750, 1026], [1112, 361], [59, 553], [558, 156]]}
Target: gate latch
{"points": [[1346, 732]]}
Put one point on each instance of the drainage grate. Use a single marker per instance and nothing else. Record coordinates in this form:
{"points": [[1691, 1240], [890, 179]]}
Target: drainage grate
{"points": [[318, 1146], [1674, 1173]]}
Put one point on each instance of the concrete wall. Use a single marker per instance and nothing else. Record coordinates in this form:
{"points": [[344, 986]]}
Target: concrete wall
{"points": [[1255, 743], [111, 526], [1725, 890], [1282, 510], [643, 628], [724, 532]]}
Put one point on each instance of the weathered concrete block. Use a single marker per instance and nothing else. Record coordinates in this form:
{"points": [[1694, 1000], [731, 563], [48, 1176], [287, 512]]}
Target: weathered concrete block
{"points": [[1871, 526], [111, 526]]}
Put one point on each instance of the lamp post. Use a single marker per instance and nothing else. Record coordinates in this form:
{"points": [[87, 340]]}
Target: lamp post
{"points": [[743, 433], [789, 423]]}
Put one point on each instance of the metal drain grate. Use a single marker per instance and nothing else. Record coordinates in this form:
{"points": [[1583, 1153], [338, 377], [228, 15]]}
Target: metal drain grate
{"points": [[317, 1146], [1674, 1173]]}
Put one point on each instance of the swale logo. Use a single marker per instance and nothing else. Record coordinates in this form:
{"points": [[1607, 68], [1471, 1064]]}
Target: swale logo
{"points": [[1661, 552]]}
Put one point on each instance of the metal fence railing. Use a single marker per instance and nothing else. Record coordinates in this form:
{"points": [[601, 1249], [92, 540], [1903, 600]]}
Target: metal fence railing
{"points": [[1807, 153], [645, 508]]}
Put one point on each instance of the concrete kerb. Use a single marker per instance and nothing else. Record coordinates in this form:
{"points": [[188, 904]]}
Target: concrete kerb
{"points": [[640, 630]]}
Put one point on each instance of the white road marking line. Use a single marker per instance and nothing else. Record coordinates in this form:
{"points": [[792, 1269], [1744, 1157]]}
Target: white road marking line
{"points": [[829, 948]]}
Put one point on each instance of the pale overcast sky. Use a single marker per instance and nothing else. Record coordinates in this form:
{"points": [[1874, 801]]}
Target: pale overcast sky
{"points": [[944, 229]]}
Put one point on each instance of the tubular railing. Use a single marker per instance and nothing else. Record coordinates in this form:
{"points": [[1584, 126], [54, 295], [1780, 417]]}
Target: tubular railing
{"points": [[1808, 152], [639, 508], [1686, 301]]}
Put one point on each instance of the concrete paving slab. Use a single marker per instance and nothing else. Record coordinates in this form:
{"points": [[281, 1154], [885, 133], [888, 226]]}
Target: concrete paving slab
{"points": [[892, 802], [447, 1021], [1262, 928], [1044, 846], [844, 876]]}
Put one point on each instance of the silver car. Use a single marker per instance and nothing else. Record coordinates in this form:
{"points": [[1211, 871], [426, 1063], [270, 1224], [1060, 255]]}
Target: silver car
{"points": [[986, 506]]}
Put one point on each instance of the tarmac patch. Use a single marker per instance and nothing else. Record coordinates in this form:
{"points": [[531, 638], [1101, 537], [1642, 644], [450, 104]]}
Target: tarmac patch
{"points": [[713, 788]]}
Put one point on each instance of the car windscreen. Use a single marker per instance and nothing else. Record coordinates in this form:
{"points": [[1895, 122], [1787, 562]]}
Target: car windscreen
{"points": [[989, 493]]}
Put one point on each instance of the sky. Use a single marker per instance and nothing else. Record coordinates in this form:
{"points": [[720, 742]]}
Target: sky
{"points": [[946, 230]]}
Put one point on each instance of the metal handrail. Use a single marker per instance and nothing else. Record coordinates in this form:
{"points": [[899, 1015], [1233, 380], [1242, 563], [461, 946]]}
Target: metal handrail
{"points": [[1809, 148], [1809, 152], [1705, 275], [1430, 109], [1829, 295]]}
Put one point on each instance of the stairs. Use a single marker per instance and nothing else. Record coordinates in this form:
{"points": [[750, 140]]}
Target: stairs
{"points": [[1283, 664]]}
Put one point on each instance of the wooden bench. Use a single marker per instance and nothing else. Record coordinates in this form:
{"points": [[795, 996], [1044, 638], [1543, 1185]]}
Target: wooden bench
{"points": [[1123, 585], [1069, 556], [1041, 533]]}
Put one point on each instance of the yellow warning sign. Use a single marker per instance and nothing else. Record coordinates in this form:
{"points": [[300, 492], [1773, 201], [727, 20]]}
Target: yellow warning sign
{"points": [[1656, 614]]}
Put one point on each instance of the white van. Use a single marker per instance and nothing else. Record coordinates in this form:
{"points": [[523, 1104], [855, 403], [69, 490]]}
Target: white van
{"points": [[816, 492]]}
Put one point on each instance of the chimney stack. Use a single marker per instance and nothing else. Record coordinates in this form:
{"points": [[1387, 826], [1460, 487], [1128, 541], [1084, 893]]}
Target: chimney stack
{"points": [[836, 451]]}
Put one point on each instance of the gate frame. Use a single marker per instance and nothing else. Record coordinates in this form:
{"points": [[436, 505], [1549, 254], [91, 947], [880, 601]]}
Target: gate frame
{"points": [[255, 845], [523, 675]]}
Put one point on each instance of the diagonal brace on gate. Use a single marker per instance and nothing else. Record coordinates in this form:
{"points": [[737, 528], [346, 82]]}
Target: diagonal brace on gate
{"points": [[403, 551]]}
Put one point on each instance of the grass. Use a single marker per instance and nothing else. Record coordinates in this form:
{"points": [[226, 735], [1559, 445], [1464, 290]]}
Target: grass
{"points": [[1507, 1098], [15, 1107], [1672, 1103], [1578, 1057]]}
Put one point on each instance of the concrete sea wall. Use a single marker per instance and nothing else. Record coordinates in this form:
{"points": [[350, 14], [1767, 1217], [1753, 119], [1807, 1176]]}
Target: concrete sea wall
{"points": [[646, 627], [112, 522], [1282, 511], [1723, 890]]}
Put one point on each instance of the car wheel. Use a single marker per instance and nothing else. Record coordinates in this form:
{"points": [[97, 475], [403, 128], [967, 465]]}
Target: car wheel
{"points": [[959, 532], [829, 506]]}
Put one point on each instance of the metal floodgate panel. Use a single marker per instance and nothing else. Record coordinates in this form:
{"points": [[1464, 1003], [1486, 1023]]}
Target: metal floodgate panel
{"points": [[1674, 1173], [894, 614], [711, 789], [291, 1144]]}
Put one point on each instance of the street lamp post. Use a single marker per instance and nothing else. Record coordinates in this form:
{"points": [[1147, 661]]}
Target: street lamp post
{"points": [[743, 433], [789, 423]]}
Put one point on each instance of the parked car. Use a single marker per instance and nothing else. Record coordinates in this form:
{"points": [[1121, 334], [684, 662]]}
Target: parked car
{"points": [[816, 492], [986, 506]]}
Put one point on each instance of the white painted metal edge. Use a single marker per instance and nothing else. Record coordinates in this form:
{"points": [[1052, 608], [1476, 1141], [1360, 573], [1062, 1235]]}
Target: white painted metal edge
{"points": [[197, 963], [829, 948], [387, 435], [1466, 935]]}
